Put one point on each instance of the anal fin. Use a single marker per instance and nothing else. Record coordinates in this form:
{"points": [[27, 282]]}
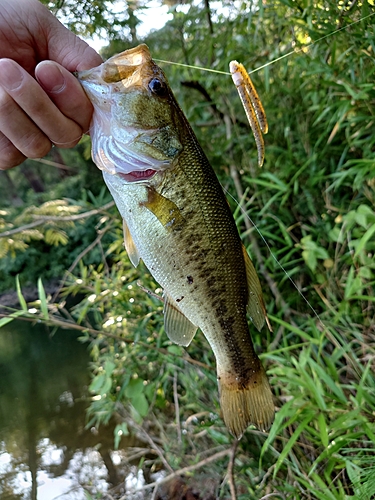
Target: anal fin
{"points": [[255, 305], [179, 329], [130, 245]]}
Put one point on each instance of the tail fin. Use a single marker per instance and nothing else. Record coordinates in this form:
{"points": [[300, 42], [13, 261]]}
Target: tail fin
{"points": [[249, 405]]}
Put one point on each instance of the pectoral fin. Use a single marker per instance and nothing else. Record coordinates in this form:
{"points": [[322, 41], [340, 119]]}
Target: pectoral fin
{"points": [[255, 305], [130, 245], [165, 210], [178, 328]]}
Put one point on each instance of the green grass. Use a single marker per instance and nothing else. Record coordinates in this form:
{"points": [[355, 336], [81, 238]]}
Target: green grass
{"points": [[314, 204]]}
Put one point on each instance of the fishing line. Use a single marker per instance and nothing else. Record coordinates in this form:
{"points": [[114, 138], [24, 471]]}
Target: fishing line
{"points": [[294, 51], [55, 143], [245, 214], [192, 67], [297, 50], [325, 328], [308, 46]]}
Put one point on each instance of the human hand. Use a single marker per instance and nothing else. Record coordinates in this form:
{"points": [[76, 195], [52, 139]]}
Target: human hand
{"points": [[41, 102]]}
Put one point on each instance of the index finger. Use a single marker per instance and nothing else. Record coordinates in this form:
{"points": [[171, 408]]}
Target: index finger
{"points": [[65, 92], [30, 98]]}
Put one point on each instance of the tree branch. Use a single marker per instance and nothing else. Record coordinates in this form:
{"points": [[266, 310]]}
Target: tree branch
{"points": [[182, 471], [230, 470], [42, 219]]}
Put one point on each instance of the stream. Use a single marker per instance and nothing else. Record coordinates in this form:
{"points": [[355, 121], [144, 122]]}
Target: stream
{"points": [[46, 451]]}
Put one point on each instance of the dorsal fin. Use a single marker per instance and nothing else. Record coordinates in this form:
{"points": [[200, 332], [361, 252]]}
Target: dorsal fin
{"points": [[179, 329], [130, 245], [255, 304]]}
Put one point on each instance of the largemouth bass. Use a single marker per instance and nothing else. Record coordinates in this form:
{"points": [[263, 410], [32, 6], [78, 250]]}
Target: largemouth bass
{"points": [[177, 220]]}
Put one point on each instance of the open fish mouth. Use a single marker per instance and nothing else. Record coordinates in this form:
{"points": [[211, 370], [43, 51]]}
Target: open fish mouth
{"points": [[128, 138], [138, 175], [114, 157]]}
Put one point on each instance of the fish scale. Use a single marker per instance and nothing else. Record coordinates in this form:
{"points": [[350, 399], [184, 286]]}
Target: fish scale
{"points": [[177, 220]]}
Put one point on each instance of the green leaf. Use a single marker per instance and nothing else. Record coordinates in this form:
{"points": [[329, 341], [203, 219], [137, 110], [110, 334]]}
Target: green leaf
{"points": [[323, 429], [140, 404], [21, 299], [284, 413], [109, 366], [331, 384], [43, 299], [175, 349], [119, 431], [291, 442], [292, 328], [134, 388], [56, 237], [365, 238], [8, 319], [97, 383]]}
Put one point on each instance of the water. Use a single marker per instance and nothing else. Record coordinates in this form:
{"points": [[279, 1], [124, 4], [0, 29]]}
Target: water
{"points": [[45, 450]]}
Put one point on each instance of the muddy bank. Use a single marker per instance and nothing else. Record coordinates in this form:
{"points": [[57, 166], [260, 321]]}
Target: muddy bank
{"points": [[30, 293]]}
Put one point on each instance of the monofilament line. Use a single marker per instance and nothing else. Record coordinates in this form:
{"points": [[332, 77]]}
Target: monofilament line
{"points": [[192, 67], [294, 51], [245, 214]]}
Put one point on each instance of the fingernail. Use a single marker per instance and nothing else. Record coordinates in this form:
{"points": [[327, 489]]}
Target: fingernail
{"points": [[50, 77], [11, 76]]}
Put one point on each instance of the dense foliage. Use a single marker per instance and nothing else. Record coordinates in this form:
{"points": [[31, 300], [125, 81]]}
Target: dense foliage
{"points": [[313, 206]]}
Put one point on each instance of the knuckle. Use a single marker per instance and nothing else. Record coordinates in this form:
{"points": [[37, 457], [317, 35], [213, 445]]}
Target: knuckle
{"points": [[71, 136], [36, 145], [6, 105], [68, 144], [9, 155]]}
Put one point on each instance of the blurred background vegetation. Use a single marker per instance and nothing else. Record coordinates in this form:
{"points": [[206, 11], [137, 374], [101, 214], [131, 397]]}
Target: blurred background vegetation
{"points": [[313, 204]]}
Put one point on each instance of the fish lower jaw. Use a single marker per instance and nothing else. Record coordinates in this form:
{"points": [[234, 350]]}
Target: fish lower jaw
{"points": [[137, 175]]}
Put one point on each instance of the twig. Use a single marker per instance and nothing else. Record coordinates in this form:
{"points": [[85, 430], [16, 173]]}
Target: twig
{"points": [[85, 329], [269, 495], [177, 407], [208, 14], [194, 84], [121, 410], [195, 416], [266, 476], [5, 234], [54, 164], [230, 470], [182, 471], [154, 492], [42, 219], [139, 454], [80, 256], [149, 292], [74, 217]]}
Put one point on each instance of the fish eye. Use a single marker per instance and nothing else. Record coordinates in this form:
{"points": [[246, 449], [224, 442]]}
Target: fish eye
{"points": [[158, 87]]}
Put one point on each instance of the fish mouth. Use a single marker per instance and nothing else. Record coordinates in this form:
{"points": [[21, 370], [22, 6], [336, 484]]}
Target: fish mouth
{"points": [[137, 175], [122, 68], [118, 158], [130, 150]]}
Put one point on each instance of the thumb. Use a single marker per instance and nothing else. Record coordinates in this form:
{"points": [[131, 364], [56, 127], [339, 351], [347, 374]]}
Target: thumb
{"points": [[72, 52], [64, 47], [67, 49]]}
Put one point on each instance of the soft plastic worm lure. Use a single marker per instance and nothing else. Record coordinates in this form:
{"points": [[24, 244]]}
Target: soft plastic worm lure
{"points": [[253, 107]]}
